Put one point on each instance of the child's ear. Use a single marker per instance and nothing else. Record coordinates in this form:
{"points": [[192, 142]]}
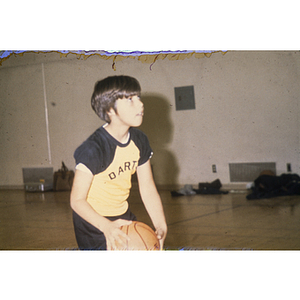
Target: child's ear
{"points": [[111, 112]]}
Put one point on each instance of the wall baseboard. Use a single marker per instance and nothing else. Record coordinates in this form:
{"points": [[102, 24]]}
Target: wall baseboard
{"points": [[12, 187], [161, 187]]}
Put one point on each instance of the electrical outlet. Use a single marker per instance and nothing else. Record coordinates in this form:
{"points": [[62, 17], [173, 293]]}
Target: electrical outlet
{"points": [[289, 167], [214, 168]]}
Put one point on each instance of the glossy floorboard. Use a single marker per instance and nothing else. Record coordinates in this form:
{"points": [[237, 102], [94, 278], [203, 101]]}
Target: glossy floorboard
{"points": [[43, 221]]}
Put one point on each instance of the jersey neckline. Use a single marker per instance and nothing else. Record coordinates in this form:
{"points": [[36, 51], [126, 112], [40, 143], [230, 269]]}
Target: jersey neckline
{"points": [[114, 139]]}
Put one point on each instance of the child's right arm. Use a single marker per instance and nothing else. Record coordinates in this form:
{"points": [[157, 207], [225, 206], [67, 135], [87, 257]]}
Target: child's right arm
{"points": [[81, 185]]}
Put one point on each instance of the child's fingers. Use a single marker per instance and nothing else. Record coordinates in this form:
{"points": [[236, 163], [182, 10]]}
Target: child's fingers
{"points": [[108, 245], [122, 222], [161, 237], [122, 242], [124, 235], [120, 239], [159, 233], [117, 238], [111, 243]]}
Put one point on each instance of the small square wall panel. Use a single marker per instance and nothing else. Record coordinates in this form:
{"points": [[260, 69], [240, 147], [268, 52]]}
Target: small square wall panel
{"points": [[184, 97]]}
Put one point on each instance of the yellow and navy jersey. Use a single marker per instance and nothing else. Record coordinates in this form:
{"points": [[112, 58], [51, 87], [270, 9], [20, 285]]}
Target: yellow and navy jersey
{"points": [[112, 165]]}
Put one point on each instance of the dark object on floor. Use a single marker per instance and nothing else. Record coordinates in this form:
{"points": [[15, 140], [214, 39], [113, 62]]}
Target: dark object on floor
{"points": [[266, 186], [177, 194], [210, 188], [267, 172], [204, 188], [213, 185], [63, 179]]}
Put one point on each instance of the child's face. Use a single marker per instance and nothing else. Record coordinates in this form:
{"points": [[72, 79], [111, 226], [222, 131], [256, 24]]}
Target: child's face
{"points": [[130, 111]]}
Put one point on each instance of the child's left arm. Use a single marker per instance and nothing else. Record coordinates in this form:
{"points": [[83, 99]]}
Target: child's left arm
{"points": [[152, 201]]}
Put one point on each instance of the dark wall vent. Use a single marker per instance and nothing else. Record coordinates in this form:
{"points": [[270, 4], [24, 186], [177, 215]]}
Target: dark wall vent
{"points": [[248, 172]]}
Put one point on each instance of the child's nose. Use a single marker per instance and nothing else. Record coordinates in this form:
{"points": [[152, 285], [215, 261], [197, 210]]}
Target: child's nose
{"points": [[141, 103]]}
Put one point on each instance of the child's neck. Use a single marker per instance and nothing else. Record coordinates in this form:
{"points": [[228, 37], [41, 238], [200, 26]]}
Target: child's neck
{"points": [[119, 133]]}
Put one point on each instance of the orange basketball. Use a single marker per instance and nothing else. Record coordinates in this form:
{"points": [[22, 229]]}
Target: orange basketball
{"points": [[142, 237]]}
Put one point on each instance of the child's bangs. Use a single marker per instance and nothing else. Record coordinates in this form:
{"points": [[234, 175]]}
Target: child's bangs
{"points": [[127, 94], [129, 91]]}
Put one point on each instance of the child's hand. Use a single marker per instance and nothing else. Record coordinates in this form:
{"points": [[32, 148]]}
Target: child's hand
{"points": [[114, 234], [161, 235]]}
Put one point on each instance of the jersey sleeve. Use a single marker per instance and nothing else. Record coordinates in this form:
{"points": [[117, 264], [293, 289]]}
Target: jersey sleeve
{"points": [[83, 168], [146, 152], [144, 146], [90, 155]]}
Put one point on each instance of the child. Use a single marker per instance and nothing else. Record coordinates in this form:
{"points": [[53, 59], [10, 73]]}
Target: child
{"points": [[104, 165]]}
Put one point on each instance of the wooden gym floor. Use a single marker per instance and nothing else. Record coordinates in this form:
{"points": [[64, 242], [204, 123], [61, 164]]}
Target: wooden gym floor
{"points": [[43, 221]]}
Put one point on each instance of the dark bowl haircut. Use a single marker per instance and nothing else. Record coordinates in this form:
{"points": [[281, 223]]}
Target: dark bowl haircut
{"points": [[110, 89]]}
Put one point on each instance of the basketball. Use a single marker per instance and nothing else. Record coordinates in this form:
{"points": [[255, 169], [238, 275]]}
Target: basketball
{"points": [[142, 237]]}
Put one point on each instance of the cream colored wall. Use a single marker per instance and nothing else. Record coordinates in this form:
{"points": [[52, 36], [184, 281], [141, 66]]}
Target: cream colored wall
{"points": [[247, 110]]}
